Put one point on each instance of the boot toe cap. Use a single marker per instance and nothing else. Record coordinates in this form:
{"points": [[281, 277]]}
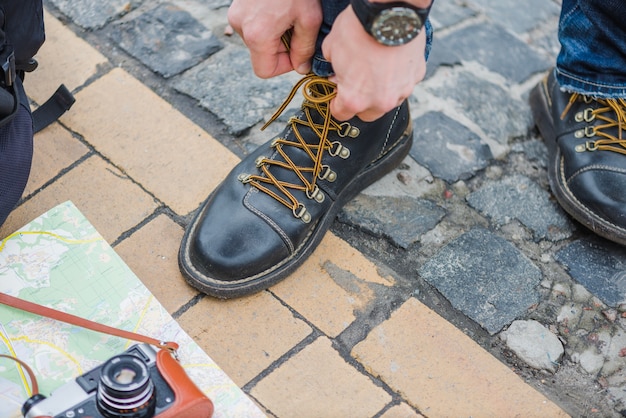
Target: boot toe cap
{"points": [[228, 246]]}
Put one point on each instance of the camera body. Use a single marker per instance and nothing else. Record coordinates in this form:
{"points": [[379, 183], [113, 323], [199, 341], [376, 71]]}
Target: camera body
{"points": [[142, 382]]}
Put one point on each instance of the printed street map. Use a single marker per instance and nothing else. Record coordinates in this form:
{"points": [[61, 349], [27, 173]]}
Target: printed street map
{"points": [[59, 260]]}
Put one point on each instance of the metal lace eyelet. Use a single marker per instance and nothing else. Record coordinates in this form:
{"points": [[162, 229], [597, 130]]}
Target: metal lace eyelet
{"points": [[301, 213], [328, 174], [259, 161], [587, 146], [588, 132], [244, 178], [339, 150], [591, 146], [348, 130], [585, 115], [316, 195]]}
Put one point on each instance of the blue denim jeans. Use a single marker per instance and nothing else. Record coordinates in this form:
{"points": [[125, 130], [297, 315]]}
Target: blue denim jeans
{"points": [[330, 10], [592, 60]]}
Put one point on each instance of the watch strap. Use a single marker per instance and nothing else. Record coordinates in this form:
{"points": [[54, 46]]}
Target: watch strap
{"points": [[366, 10]]}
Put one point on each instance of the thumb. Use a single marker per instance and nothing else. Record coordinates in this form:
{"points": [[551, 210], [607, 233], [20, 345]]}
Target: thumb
{"points": [[302, 49], [339, 109]]}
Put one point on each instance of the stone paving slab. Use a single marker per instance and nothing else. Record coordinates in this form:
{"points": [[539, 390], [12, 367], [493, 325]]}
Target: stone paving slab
{"points": [[95, 187], [146, 143], [430, 361], [350, 394], [56, 58]]}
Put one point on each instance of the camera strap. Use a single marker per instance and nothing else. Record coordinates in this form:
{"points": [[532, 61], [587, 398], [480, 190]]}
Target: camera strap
{"points": [[40, 310]]}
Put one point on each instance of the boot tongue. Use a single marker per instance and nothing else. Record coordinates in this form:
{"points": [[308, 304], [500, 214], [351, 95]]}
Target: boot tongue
{"points": [[289, 150]]}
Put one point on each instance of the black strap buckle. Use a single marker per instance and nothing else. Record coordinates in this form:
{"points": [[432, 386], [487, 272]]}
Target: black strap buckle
{"points": [[29, 66]]}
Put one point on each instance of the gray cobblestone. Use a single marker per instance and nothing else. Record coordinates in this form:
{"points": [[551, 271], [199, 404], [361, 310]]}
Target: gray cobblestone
{"points": [[226, 84], [486, 277], [165, 30], [486, 104], [447, 148], [518, 197], [496, 49], [402, 219], [449, 13], [93, 14], [507, 14], [603, 271]]}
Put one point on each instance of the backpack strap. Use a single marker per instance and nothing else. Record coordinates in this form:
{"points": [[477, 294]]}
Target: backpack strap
{"points": [[60, 102]]}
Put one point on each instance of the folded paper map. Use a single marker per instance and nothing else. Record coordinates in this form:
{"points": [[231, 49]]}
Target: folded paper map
{"points": [[59, 260]]}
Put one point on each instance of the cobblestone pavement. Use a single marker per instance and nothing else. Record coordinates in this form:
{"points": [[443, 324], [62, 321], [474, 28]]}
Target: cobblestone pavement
{"points": [[466, 225]]}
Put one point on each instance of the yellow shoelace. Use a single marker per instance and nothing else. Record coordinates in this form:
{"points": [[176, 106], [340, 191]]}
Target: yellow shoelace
{"points": [[317, 92], [612, 112]]}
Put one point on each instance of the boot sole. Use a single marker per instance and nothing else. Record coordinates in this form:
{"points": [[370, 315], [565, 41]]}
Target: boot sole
{"points": [[541, 109], [227, 290]]}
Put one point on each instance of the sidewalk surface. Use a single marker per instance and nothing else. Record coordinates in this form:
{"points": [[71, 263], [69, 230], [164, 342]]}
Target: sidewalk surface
{"points": [[454, 287]]}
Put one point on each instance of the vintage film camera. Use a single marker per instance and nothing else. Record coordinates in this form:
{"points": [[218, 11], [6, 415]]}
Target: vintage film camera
{"points": [[142, 382]]}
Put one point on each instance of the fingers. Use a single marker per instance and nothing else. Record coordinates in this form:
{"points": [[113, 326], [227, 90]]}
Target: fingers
{"points": [[267, 64], [345, 106], [303, 39], [261, 24]]}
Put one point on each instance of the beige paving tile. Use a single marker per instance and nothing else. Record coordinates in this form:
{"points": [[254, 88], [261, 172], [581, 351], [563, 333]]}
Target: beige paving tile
{"points": [[267, 413], [401, 411], [110, 201], [151, 141], [244, 336], [331, 285], [317, 382], [152, 254], [63, 59], [442, 372], [54, 150]]}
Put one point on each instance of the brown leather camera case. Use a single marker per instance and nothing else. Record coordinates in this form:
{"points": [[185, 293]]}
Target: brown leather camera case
{"points": [[190, 402]]}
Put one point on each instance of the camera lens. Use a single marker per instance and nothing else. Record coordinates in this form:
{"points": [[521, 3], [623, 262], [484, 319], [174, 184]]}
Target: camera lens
{"points": [[125, 389]]}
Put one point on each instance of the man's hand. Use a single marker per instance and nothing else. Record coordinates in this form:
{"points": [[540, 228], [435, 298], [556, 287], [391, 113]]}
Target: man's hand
{"points": [[261, 24], [371, 78]]}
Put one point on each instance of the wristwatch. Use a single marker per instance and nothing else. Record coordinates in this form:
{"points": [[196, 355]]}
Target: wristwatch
{"points": [[391, 24]]}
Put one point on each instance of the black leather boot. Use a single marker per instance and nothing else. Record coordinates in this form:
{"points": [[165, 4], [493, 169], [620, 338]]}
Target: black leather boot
{"points": [[275, 206], [587, 155]]}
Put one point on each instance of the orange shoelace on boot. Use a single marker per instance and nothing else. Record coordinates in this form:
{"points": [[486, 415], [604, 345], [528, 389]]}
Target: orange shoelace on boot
{"points": [[317, 92], [612, 112]]}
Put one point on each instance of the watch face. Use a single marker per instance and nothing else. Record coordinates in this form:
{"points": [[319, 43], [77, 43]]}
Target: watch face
{"points": [[396, 26]]}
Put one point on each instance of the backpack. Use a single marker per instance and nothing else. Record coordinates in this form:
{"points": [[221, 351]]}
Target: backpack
{"points": [[21, 35]]}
